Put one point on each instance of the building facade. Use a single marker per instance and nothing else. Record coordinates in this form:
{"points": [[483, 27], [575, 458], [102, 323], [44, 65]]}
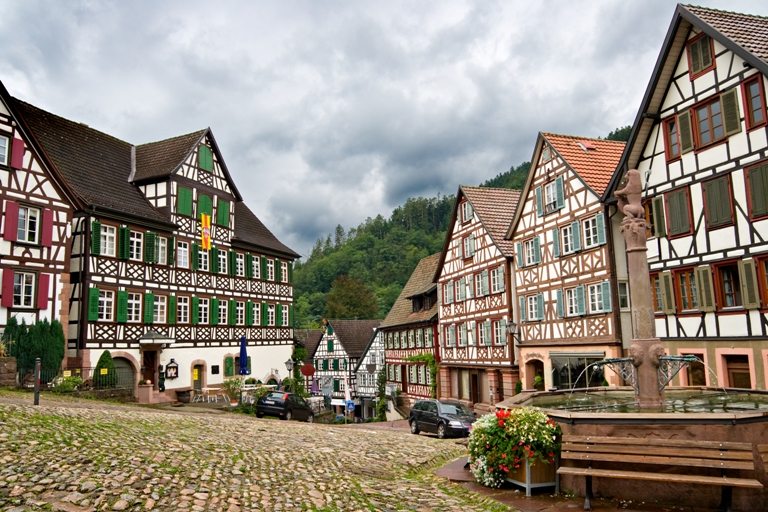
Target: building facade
{"points": [[477, 362], [564, 279], [367, 371]]}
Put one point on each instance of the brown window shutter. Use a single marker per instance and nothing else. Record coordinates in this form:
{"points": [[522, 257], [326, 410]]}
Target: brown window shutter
{"points": [[659, 226], [668, 290], [705, 288], [686, 132], [731, 114], [749, 286]]}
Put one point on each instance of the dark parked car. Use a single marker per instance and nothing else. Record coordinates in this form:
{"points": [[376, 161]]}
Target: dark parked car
{"points": [[442, 417], [286, 406]]}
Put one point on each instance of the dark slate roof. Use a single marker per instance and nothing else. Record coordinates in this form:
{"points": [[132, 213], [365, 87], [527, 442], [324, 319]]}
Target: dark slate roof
{"points": [[354, 335], [421, 281], [159, 159], [249, 229], [95, 165], [310, 338]]}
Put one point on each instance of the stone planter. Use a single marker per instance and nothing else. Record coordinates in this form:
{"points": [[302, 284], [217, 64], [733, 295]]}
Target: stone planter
{"points": [[8, 371], [534, 476]]}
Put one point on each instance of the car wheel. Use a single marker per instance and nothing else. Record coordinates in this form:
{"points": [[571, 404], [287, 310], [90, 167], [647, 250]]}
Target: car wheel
{"points": [[259, 414], [311, 418], [414, 427], [441, 431], [288, 415]]}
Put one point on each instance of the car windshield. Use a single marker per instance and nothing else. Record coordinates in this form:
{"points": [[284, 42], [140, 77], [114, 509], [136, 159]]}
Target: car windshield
{"points": [[457, 409], [275, 396]]}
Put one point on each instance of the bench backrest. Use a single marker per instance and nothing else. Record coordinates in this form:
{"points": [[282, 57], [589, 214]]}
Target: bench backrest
{"points": [[668, 452]]}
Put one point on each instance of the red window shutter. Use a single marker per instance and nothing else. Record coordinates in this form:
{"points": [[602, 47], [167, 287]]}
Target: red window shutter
{"points": [[7, 299], [17, 154], [42, 290], [11, 224], [46, 236]]}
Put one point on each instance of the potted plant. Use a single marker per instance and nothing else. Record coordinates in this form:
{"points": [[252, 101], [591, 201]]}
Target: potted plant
{"points": [[517, 445], [232, 388]]}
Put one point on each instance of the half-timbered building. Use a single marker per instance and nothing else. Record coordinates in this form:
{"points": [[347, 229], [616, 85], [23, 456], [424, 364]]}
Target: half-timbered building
{"points": [[411, 337], [169, 268], [341, 347], [700, 142], [477, 362], [36, 208], [367, 371], [563, 274]]}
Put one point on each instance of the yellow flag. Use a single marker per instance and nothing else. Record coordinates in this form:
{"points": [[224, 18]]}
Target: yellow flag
{"points": [[205, 231]]}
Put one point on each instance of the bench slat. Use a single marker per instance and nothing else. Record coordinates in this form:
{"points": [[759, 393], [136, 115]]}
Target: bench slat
{"points": [[662, 477], [715, 454], [658, 459], [627, 441]]}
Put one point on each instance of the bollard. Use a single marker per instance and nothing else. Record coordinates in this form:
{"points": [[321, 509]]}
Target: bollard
{"points": [[37, 381]]}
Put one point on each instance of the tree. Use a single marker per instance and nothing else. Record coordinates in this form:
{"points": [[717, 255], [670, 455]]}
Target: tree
{"points": [[621, 134], [339, 236], [43, 339], [105, 375], [350, 298]]}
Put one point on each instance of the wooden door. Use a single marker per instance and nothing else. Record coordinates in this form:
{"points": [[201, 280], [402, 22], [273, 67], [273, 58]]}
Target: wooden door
{"points": [[197, 377], [149, 366]]}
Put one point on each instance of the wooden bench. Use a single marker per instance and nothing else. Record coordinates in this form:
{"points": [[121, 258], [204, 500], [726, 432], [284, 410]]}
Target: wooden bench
{"points": [[660, 460]]}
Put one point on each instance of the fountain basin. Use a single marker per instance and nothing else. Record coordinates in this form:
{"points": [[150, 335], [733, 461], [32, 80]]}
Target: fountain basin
{"points": [[687, 413]]}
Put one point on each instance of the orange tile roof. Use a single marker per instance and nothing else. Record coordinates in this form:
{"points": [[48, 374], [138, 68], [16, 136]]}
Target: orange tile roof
{"points": [[747, 30], [496, 208], [595, 160]]}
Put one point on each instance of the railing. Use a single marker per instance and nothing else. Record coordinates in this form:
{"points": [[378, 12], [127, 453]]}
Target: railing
{"points": [[117, 381]]}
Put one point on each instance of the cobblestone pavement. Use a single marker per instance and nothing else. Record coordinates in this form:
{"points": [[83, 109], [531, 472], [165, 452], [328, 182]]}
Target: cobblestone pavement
{"points": [[82, 455]]}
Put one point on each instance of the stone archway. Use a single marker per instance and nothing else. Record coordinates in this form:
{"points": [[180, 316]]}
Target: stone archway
{"points": [[533, 369]]}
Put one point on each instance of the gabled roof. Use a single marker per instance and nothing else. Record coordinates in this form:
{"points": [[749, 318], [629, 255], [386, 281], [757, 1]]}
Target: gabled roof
{"points": [[310, 338], [95, 165], [159, 159], [593, 160], [354, 335], [744, 34], [421, 281], [250, 230]]}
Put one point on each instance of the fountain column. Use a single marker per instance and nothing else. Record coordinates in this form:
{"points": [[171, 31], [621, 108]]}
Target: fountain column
{"points": [[646, 347]]}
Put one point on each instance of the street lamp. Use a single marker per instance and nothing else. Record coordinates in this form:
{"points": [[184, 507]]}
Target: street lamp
{"points": [[289, 364], [512, 330]]}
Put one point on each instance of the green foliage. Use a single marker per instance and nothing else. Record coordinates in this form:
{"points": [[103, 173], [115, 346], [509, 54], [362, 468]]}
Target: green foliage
{"points": [[429, 360], [381, 396], [518, 387], [105, 379], [67, 384], [350, 298], [232, 387], [620, 133], [514, 178], [41, 339]]}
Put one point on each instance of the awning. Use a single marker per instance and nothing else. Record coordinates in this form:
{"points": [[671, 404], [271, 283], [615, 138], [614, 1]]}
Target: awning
{"points": [[152, 337]]}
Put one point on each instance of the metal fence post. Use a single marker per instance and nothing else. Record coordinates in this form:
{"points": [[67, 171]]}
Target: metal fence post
{"points": [[37, 381]]}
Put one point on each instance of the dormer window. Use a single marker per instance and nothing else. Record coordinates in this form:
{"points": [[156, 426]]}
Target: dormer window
{"points": [[467, 213], [550, 197], [700, 55], [546, 153], [205, 158]]}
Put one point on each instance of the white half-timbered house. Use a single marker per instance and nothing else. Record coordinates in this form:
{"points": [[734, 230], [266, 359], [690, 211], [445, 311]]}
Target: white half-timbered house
{"points": [[700, 142], [36, 211], [564, 277], [367, 371], [169, 268], [341, 347], [477, 362], [410, 335]]}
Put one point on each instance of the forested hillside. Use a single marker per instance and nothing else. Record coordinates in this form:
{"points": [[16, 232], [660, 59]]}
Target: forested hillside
{"points": [[358, 272]]}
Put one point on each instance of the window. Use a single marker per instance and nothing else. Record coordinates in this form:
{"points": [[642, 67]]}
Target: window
{"points": [[182, 255], [717, 202], [672, 138], [222, 313], [285, 314], [240, 264], [687, 293], [566, 233], [729, 286], [162, 249], [546, 153], [678, 212], [466, 211], [696, 372], [499, 334], [108, 240], [270, 270], [271, 315], [203, 311], [29, 220], [23, 289], [135, 246], [481, 283], [284, 272], [572, 302], [3, 150], [532, 307], [532, 251], [160, 311], [737, 369], [221, 258], [591, 232], [484, 333], [240, 313], [757, 178], [577, 370], [133, 313], [468, 246], [256, 267], [623, 292], [203, 260], [700, 58], [550, 197], [497, 279], [599, 297], [448, 293], [657, 297], [106, 305], [754, 101], [450, 336], [654, 217], [709, 123]]}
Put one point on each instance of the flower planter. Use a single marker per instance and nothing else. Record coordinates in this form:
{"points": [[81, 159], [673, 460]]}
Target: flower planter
{"points": [[534, 476]]}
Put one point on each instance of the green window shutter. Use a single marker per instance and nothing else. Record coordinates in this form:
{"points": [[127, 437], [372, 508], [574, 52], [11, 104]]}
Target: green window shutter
{"points": [[290, 314], [264, 314], [122, 306], [325, 364], [248, 313], [519, 254], [204, 205], [194, 256], [96, 237], [659, 225], [290, 272], [580, 300], [124, 238], [536, 249], [539, 203], [204, 158], [248, 364], [336, 364], [213, 313], [93, 304], [184, 201], [522, 309], [605, 289], [705, 288], [249, 265], [556, 243], [264, 268], [232, 312], [758, 190], [668, 292], [278, 270], [731, 114], [149, 308], [559, 193], [171, 251], [222, 212], [559, 299], [150, 256], [330, 345], [171, 309], [717, 201], [279, 315], [600, 228], [214, 263], [195, 310], [336, 386], [686, 131], [229, 366], [749, 288], [576, 235], [680, 221], [232, 256], [540, 306]]}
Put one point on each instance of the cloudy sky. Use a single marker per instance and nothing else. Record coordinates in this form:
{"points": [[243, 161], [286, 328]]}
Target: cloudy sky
{"points": [[328, 112]]}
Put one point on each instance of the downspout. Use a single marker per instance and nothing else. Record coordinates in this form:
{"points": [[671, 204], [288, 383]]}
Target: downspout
{"points": [[85, 272]]}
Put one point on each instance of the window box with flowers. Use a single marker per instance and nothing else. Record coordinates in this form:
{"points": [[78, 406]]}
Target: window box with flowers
{"points": [[518, 445]]}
